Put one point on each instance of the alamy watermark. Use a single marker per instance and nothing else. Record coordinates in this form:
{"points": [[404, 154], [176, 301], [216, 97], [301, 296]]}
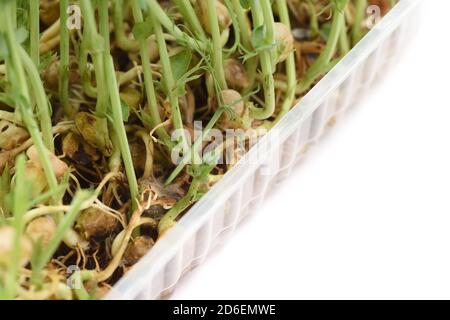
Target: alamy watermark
{"points": [[373, 13], [74, 280], [74, 20]]}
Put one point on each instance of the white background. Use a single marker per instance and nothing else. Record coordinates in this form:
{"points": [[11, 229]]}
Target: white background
{"points": [[367, 214]]}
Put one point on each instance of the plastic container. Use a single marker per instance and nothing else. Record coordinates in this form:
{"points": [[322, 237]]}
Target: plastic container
{"points": [[243, 188]]}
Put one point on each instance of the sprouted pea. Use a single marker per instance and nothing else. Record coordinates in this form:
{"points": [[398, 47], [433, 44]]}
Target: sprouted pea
{"points": [[64, 53]]}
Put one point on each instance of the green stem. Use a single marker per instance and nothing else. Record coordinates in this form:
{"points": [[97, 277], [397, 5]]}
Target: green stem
{"points": [[13, 11], [194, 150], [32, 127], [64, 225], [15, 67], [323, 61], [305, 83], [169, 82], [246, 36], [217, 45], [104, 26], [344, 44], [148, 80], [20, 206], [120, 131], [267, 13], [199, 176], [314, 22], [160, 15], [34, 31], [261, 11], [103, 140], [170, 217], [64, 54], [360, 11], [116, 107], [189, 15], [308, 80], [81, 292], [41, 99], [88, 88], [91, 40], [5, 187], [290, 66], [122, 40], [244, 25]]}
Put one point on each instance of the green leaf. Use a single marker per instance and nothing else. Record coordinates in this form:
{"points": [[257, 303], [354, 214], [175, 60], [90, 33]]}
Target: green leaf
{"points": [[96, 44], [180, 63], [210, 161], [145, 118], [325, 31], [245, 4], [143, 5], [21, 35], [4, 52], [46, 59], [143, 30], [259, 37], [6, 99], [125, 110]]}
